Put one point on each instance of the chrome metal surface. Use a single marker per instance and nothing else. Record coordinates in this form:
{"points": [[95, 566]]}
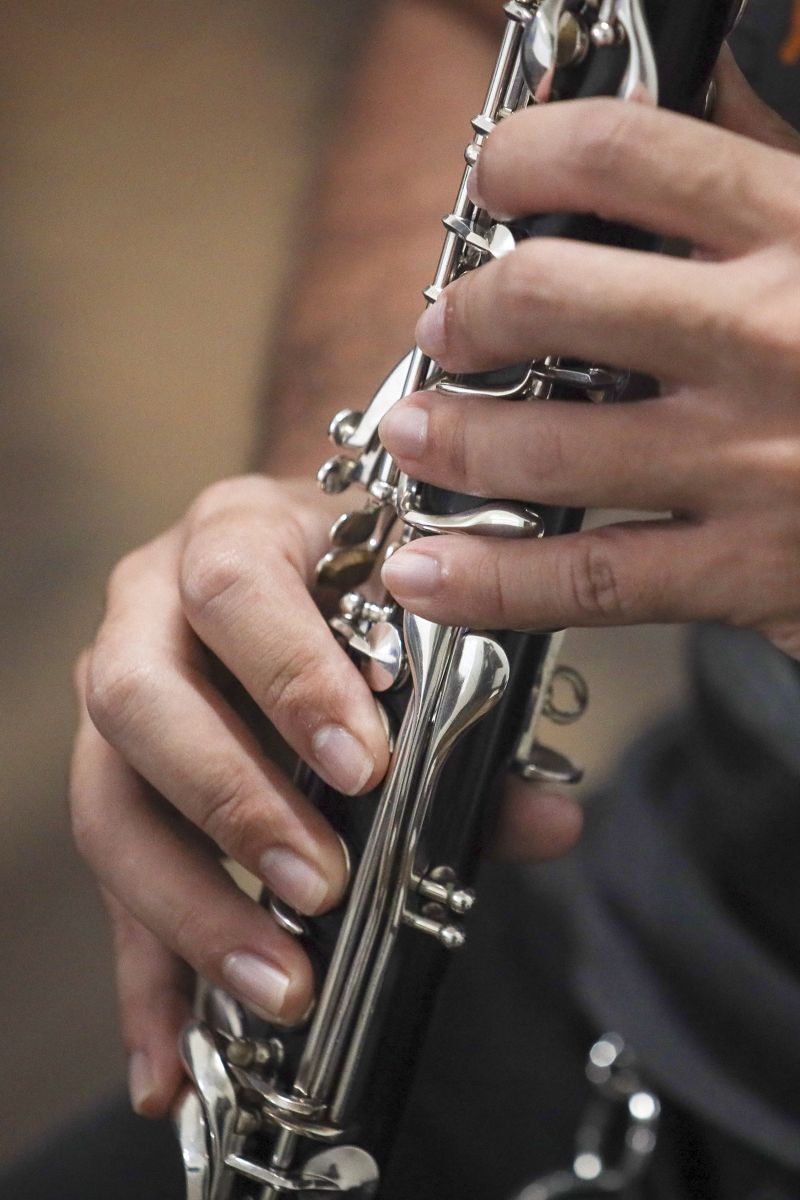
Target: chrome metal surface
{"points": [[380, 652], [287, 918], [495, 242], [218, 1103], [248, 1052], [441, 886], [489, 520], [599, 1167], [438, 683], [740, 13], [519, 389], [190, 1126], [474, 672], [540, 49], [641, 81], [545, 765], [589, 378], [558, 36], [343, 1170], [365, 429], [217, 1010], [452, 937], [557, 710], [540, 691], [353, 528]]}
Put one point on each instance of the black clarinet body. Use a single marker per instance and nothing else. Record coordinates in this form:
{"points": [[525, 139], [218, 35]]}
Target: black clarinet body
{"points": [[314, 1110]]}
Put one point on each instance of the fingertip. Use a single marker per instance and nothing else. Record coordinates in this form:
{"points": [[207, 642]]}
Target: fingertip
{"points": [[431, 329], [279, 989], [154, 1082], [537, 824], [343, 760], [412, 573], [404, 431]]}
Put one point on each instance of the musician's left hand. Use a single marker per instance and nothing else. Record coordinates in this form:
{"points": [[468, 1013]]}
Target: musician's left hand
{"points": [[719, 448]]}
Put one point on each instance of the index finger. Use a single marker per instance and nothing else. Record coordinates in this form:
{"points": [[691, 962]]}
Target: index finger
{"points": [[245, 596], [673, 175]]}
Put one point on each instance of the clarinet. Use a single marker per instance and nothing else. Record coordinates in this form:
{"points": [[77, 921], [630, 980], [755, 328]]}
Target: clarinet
{"points": [[312, 1110]]}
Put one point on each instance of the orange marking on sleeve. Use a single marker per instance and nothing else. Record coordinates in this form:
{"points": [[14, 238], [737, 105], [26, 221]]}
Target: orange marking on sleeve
{"points": [[790, 50]]}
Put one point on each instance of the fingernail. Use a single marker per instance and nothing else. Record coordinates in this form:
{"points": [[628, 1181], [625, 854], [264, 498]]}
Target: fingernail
{"points": [[473, 186], [344, 762], [411, 573], [430, 329], [404, 431], [260, 984], [294, 880], [474, 193], [141, 1084]]}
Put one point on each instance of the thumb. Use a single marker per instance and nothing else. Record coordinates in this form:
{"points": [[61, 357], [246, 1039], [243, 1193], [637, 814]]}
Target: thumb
{"points": [[739, 109]]}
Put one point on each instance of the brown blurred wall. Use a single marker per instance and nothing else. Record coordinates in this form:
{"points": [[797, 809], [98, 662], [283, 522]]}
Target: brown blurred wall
{"points": [[152, 152]]}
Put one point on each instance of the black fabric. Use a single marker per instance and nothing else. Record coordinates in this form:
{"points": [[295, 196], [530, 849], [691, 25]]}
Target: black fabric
{"points": [[675, 960], [502, 1088], [761, 43], [109, 1154], [500, 1093]]}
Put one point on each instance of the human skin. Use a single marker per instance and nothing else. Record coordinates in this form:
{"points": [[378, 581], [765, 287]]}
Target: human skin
{"points": [[169, 768], [718, 448]]}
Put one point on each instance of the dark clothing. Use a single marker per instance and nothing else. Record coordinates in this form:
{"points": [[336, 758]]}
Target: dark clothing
{"points": [[675, 924], [500, 1093], [107, 1155], [764, 48], [686, 917]]}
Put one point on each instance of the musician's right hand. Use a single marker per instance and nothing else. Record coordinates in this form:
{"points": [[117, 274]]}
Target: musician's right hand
{"points": [[210, 634]]}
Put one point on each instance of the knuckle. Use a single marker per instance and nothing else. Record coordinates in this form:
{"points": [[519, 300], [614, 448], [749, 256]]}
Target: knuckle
{"points": [[117, 688], [764, 332], [771, 468], [227, 494], [593, 578], [451, 435], [493, 586], [189, 935], [211, 568], [605, 137], [295, 685], [225, 807], [543, 453]]}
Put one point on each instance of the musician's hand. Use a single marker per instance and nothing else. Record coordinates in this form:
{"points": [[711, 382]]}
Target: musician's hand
{"points": [[209, 631], [720, 448]]}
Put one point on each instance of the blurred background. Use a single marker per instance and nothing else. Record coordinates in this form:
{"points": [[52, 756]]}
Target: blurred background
{"points": [[152, 156]]}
